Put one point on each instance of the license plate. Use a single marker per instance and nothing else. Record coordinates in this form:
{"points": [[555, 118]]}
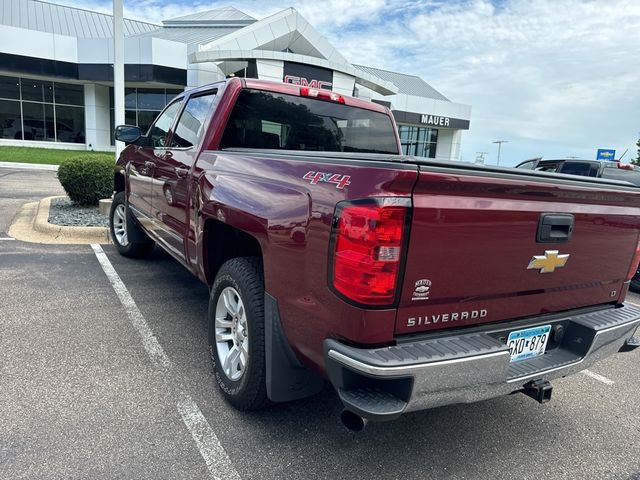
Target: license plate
{"points": [[528, 343]]}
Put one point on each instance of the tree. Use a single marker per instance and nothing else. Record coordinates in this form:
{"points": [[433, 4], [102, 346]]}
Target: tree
{"points": [[636, 161]]}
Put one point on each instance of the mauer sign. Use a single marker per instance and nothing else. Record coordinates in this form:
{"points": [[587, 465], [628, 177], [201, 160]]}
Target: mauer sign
{"points": [[435, 120], [307, 76], [430, 120]]}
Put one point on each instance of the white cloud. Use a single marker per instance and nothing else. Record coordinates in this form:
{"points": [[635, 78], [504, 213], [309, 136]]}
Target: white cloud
{"points": [[554, 77]]}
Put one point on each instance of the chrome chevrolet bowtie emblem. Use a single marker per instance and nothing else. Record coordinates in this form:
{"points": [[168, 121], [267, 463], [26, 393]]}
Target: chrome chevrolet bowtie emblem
{"points": [[548, 262]]}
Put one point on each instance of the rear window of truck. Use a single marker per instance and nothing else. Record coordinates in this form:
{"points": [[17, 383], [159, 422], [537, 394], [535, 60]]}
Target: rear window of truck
{"points": [[270, 120]]}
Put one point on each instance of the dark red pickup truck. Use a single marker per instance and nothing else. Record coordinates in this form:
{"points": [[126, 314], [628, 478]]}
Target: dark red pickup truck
{"points": [[406, 283]]}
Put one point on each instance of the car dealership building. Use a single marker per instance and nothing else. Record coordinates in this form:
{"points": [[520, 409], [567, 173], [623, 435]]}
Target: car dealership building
{"points": [[56, 73]]}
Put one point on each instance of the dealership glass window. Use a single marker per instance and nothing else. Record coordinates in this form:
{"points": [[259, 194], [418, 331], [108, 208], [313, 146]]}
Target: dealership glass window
{"points": [[418, 141], [151, 99], [10, 88], [143, 105], [130, 117], [10, 119], [68, 94], [41, 111], [171, 94], [37, 91], [70, 124], [146, 118], [130, 98], [38, 121]]}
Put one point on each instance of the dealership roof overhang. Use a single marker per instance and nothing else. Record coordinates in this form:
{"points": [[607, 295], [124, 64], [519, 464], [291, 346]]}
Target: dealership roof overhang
{"points": [[369, 81], [285, 36]]}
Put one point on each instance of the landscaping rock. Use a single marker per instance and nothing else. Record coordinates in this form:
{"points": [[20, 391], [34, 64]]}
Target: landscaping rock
{"points": [[64, 212]]}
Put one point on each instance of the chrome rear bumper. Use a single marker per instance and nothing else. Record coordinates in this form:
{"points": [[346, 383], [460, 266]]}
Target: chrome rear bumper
{"points": [[383, 383]]}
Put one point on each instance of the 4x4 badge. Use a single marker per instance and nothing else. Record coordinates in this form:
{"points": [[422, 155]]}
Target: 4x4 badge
{"points": [[548, 262]]}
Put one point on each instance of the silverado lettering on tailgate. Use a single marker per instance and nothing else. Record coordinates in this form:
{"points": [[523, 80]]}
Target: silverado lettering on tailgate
{"points": [[445, 317]]}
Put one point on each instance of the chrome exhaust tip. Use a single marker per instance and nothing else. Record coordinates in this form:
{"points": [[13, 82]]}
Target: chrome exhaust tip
{"points": [[353, 421]]}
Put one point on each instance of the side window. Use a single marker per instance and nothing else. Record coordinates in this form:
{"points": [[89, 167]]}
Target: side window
{"points": [[547, 167], [192, 121], [158, 131], [528, 165], [579, 168]]}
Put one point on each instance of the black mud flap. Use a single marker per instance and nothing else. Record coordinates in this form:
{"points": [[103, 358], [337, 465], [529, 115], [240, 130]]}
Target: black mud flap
{"points": [[287, 378], [135, 231]]}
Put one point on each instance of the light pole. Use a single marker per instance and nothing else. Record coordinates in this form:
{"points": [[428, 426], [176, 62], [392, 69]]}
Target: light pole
{"points": [[118, 68], [500, 142]]}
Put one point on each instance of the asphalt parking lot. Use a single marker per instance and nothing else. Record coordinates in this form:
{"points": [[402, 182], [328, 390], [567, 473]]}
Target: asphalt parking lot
{"points": [[80, 397]]}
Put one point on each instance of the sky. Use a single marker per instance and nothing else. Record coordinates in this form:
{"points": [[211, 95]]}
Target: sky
{"points": [[555, 78]]}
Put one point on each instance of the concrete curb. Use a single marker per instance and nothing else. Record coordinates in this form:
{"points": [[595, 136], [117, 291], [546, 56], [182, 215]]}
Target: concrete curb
{"points": [[32, 225], [29, 166]]}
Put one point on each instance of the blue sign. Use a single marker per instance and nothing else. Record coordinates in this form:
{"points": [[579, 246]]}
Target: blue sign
{"points": [[606, 154]]}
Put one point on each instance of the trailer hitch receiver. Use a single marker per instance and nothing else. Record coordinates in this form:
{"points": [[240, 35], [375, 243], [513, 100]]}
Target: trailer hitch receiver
{"points": [[540, 390]]}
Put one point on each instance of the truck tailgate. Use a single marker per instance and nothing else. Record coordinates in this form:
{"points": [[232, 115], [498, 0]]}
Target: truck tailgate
{"points": [[473, 240]]}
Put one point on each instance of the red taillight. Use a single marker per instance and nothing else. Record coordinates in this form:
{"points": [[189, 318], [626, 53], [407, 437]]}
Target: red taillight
{"points": [[321, 94], [367, 255], [634, 262], [625, 166]]}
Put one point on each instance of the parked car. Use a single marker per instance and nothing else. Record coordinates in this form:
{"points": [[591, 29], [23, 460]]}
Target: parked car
{"points": [[406, 283], [590, 168]]}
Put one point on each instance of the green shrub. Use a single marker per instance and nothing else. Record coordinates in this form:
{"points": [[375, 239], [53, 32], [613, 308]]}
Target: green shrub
{"points": [[87, 179]]}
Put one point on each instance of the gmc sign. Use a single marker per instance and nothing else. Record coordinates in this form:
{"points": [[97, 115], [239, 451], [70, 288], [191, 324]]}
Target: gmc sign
{"points": [[307, 76], [303, 82]]}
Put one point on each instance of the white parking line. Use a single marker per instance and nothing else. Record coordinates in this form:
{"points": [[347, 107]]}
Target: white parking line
{"points": [[598, 377], [210, 448], [149, 341], [6, 238]]}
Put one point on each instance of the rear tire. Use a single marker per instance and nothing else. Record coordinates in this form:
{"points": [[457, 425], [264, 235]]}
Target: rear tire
{"points": [[124, 229], [236, 333]]}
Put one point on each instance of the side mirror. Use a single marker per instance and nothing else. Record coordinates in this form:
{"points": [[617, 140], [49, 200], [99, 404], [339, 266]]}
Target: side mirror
{"points": [[128, 133]]}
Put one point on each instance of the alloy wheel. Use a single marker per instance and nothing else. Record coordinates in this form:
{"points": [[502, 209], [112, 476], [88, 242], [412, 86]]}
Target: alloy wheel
{"points": [[120, 225], [232, 333]]}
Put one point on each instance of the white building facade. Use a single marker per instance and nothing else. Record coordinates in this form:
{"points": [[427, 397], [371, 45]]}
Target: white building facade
{"points": [[56, 73]]}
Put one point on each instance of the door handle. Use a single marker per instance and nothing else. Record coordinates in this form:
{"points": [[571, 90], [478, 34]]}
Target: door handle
{"points": [[149, 164], [181, 172], [555, 228]]}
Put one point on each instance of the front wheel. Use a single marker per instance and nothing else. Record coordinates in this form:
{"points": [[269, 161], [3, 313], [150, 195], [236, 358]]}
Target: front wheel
{"points": [[236, 333], [125, 233]]}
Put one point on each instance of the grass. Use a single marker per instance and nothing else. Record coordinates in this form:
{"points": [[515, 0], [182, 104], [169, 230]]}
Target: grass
{"points": [[48, 156]]}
